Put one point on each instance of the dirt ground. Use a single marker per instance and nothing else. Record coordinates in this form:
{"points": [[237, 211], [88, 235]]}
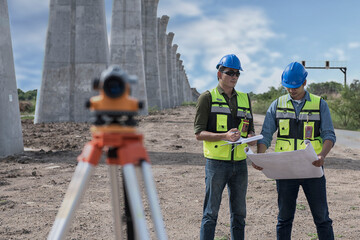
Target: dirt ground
{"points": [[33, 184]]}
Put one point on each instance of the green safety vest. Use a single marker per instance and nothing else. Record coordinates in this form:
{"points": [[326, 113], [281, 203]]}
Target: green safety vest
{"points": [[292, 130], [220, 121]]}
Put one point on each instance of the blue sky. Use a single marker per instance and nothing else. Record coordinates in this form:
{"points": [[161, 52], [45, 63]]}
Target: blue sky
{"points": [[265, 35]]}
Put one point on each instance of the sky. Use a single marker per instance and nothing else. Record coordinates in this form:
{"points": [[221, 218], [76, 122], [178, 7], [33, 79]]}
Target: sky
{"points": [[265, 35]]}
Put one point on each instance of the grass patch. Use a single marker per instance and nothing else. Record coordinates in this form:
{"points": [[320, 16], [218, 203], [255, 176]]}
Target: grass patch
{"points": [[24, 117], [300, 207], [193, 104], [221, 238], [153, 110], [313, 236]]}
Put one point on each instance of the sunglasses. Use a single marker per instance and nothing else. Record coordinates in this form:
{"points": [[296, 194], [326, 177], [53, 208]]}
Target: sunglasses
{"points": [[232, 73]]}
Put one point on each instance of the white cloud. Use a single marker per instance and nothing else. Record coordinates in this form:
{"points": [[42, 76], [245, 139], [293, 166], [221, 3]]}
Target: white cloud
{"points": [[203, 42], [353, 45], [335, 54]]}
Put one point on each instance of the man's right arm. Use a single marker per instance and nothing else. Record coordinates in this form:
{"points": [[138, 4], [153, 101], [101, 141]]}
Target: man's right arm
{"points": [[203, 107], [231, 135]]}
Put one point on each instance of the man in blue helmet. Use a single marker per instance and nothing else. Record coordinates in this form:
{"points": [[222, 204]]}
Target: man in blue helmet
{"points": [[224, 114], [297, 116]]}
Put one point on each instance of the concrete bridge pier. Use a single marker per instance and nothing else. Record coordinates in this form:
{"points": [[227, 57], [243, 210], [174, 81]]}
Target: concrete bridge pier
{"points": [[76, 52], [162, 51], [11, 140], [151, 60], [126, 48], [169, 39]]}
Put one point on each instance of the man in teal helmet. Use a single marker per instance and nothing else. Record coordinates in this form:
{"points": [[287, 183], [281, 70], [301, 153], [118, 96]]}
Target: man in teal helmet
{"points": [[224, 114], [297, 116]]}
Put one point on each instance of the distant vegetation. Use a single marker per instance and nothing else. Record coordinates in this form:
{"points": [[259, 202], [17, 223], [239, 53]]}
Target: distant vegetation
{"points": [[27, 96], [343, 101], [27, 102]]}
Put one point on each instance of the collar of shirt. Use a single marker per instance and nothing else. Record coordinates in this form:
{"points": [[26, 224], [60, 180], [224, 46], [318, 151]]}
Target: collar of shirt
{"points": [[222, 92], [306, 97]]}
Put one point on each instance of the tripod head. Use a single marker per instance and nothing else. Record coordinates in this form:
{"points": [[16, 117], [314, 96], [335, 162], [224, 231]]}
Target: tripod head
{"points": [[114, 100]]}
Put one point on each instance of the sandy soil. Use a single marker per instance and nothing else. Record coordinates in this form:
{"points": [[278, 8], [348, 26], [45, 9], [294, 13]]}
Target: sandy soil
{"points": [[33, 184]]}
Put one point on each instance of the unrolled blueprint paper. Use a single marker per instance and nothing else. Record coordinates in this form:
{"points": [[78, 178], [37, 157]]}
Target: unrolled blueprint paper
{"points": [[288, 165]]}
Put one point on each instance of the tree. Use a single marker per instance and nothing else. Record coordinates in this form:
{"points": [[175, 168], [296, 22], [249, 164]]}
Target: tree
{"points": [[347, 107]]}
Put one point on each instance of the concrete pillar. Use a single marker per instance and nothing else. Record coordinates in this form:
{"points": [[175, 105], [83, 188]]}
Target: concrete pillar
{"points": [[174, 72], [194, 95], [169, 38], [126, 48], [181, 82], [76, 52], [151, 61], [11, 141], [162, 41], [188, 89], [189, 92], [178, 85]]}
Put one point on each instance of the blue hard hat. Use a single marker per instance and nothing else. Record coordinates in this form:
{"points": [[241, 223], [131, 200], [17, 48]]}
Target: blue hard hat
{"points": [[230, 61], [294, 75]]}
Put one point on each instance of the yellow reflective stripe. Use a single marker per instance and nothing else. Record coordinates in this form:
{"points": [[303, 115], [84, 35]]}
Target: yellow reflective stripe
{"points": [[280, 114], [215, 109], [244, 114], [311, 117]]}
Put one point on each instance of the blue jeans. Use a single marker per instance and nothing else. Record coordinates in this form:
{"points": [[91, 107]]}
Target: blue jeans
{"points": [[315, 192], [218, 175]]}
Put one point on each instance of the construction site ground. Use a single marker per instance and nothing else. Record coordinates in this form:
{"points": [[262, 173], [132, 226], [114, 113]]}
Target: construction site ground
{"points": [[33, 185]]}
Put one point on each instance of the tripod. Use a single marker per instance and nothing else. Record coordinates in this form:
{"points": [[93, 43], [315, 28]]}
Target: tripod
{"points": [[124, 147]]}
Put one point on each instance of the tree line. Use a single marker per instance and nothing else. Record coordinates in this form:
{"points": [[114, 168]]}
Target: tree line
{"points": [[27, 96]]}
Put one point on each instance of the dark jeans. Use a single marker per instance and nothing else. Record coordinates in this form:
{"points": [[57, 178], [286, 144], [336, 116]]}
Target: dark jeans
{"points": [[218, 175], [315, 192]]}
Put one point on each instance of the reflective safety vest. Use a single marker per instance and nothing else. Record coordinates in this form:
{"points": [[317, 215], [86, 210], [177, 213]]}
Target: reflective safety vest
{"points": [[292, 130], [220, 121]]}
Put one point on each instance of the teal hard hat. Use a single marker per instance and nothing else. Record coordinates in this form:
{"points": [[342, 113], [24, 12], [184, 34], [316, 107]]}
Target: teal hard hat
{"points": [[294, 75], [230, 61]]}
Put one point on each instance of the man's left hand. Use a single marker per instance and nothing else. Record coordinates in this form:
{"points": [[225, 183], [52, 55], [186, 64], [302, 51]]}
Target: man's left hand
{"points": [[319, 162]]}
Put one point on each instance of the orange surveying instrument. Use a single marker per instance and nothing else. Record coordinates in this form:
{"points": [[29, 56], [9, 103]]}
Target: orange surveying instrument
{"points": [[114, 132]]}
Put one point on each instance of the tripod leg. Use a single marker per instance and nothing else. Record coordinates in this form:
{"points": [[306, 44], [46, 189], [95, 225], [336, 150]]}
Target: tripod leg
{"points": [[77, 186], [129, 222], [153, 201], [115, 193], [135, 202]]}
